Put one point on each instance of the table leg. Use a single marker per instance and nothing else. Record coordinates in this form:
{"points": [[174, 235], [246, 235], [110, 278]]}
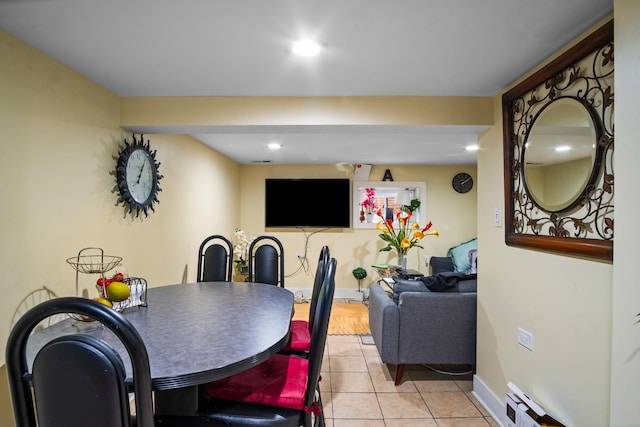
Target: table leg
{"points": [[179, 401]]}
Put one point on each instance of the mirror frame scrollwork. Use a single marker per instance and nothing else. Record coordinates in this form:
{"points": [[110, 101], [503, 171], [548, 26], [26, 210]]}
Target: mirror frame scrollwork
{"points": [[585, 227]]}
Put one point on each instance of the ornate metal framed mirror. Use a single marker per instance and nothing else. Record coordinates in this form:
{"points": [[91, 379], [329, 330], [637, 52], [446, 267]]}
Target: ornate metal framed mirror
{"points": [[558, 153]]}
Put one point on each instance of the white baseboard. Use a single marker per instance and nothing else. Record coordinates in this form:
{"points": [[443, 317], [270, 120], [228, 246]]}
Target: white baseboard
{"points": [[339, 293], [493, 404]]}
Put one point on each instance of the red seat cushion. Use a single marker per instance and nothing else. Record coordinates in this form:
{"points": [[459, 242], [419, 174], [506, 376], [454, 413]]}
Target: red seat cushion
{"points": [[280, 381], [299, 336]]}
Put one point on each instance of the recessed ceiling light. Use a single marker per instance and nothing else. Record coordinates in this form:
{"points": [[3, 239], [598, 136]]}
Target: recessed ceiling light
{"points": [[306, 48], [563, 148], [274, 146], [472, 147]]}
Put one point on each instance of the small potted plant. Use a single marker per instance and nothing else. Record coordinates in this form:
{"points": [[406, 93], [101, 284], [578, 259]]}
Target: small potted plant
{"points": [[359, 273]]}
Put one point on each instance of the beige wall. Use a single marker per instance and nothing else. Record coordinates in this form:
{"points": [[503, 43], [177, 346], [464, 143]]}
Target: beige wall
{"points": [[276, 111], [60, 135], [625, 356], [453, 214], [579, 312], [564, 302]]}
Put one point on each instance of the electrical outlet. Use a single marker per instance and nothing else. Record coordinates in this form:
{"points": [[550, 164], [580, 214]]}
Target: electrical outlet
{"points": [[525, 338]]}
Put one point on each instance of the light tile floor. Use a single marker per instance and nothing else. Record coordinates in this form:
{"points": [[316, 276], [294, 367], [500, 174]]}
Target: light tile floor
{"points": [[358, 390]]}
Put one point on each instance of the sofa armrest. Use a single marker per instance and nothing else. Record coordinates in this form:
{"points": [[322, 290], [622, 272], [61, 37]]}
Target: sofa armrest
{"points": [[437, 327], [384, 322]]}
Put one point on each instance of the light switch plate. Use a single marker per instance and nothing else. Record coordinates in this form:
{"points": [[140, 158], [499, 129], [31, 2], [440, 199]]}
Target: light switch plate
{"points": [[497, 216]]}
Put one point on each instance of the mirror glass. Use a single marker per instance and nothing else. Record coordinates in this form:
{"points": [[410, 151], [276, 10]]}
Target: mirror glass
{"points": [[385, 198], [559, 154]]}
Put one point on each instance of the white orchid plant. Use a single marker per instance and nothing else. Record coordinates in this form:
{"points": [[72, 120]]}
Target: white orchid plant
{"points": [[241, 248]]}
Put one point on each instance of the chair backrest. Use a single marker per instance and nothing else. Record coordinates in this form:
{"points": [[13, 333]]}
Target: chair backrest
{"points": [[83, 373], [266, 261], [77, 380], [323, 260], [215, 260], [320, 329]]}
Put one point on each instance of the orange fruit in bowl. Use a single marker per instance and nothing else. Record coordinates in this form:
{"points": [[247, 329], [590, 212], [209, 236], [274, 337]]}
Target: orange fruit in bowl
{"points": [[101, 300], [118, 291], [104, 301]]}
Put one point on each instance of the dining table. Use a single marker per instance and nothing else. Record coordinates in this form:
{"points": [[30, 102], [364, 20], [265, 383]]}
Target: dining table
{"points": [[195, 333]]}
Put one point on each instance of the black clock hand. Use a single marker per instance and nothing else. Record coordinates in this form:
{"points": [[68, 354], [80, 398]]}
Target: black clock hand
{"points": [[140, 174]]}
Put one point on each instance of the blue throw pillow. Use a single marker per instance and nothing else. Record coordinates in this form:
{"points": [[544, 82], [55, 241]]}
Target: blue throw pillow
{"points": [[460, 255]]}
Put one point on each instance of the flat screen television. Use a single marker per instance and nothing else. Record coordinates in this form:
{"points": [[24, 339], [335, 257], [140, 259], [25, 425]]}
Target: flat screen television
{"points": [[307, 202]]}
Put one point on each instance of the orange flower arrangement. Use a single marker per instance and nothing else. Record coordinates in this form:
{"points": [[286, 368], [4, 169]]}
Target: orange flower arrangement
{"points": [[408, 234]]}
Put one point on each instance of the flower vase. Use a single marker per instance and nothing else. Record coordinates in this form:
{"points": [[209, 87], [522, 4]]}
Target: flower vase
{"points": [[402, 261], [242, 270], [370, 217]]}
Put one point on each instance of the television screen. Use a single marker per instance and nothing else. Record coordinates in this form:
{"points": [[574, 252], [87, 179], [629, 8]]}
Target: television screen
{"points": [[320, 203]]}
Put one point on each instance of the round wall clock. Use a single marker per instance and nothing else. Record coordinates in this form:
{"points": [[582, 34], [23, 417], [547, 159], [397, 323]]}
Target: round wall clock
{"points": [[137, 176], [462, 182]]}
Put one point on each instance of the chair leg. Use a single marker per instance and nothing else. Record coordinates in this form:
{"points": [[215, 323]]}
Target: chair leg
{"points": [[319, 421], [399, 373], [306, 420]]}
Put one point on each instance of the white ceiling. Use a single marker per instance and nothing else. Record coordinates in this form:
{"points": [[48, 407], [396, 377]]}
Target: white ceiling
{"points": [[373, 48]]}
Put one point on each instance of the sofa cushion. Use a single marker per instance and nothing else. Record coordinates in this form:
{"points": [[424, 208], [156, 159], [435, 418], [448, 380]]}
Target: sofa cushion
{"points": [[442, 282], [460, 255], [407, 286], [440, 264], [467, 286]]}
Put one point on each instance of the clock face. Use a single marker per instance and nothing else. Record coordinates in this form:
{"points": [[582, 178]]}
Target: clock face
{"points": [[137, 176], [462, 182]]}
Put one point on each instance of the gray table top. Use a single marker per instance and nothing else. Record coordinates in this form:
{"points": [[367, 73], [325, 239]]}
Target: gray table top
{"points": [[198, 332]]}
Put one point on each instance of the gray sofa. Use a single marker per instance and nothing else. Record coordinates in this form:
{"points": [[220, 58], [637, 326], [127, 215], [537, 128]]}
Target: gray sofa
{"points": [[423, 326]]}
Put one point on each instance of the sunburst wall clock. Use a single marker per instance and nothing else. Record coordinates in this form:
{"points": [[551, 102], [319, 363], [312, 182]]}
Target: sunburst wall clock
{"points": [[138, 177]]}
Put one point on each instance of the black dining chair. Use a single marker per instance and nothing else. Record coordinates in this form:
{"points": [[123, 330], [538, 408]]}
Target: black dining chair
{"points": [[78, 380], [300, 330], [283, 391], [266, 261], [215, 260]]}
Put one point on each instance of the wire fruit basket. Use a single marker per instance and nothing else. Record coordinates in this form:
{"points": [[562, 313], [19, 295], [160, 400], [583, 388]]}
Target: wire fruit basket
{"points": [[137, 293], [93, 263]]}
